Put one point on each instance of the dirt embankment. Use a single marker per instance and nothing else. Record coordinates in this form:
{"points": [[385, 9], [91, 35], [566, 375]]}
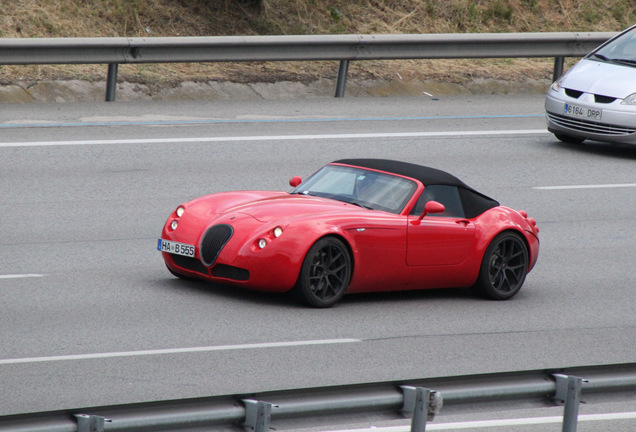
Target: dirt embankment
{"points": [[150, 18]]}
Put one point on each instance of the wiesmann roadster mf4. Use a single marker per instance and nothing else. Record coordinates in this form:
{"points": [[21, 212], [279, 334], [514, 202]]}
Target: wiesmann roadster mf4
{"points": [[356, 225]]}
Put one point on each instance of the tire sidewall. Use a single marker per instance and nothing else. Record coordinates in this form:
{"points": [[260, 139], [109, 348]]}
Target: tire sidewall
{"points": [[303, 288], [484, 285]]}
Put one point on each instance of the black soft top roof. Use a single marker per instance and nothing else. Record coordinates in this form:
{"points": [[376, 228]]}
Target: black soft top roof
{"points": [[424, 174], [474, 202]]}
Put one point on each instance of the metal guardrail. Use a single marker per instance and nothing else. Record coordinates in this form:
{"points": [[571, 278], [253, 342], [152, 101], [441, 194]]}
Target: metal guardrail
{"points": [[344, 48], [419, 400]]}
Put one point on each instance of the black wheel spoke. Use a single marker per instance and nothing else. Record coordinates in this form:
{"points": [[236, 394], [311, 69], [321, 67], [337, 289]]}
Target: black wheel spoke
{"points": [[497, 275], [503, 281], [514, 276], [339, 268], [337, 280], [517, 254]]}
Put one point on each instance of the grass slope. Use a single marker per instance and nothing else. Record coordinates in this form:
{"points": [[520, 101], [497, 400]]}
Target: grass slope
{"points": [[148, 18]]}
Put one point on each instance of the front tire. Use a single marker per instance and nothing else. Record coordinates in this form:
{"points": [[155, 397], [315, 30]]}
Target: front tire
{"points": [[178, 275], [568, 139], [325, 273], [503, 268]]}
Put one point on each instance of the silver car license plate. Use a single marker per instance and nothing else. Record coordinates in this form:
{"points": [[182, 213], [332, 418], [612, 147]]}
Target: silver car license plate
{"points": [[582, 112]]}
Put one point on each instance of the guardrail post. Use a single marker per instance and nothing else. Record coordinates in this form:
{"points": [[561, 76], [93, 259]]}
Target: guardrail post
{"points": [[257, 414], [568, 392], [558, 68], [342, 78], [111, 82], [422, 404], [90, 423]]}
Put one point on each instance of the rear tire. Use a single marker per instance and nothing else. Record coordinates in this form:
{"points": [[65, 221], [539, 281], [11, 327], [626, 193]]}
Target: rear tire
{"points": [[503, 268], [325, 273]]}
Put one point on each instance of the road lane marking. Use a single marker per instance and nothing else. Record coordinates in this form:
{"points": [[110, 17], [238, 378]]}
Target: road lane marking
{"points": [[19, 276], [274, 138], [195, 121], [593, 186], [499, 423], [177, 351]]}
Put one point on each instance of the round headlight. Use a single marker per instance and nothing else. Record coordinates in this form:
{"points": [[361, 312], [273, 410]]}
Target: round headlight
{"points": [[180, 211], [174, 224], [262, 243], [278, 231]]}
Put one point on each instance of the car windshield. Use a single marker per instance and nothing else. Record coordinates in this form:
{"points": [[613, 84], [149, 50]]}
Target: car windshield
{"points": [[621, 50], [368, 189]]}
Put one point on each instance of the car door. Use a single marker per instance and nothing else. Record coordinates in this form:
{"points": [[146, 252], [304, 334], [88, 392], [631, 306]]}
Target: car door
{"points": [[439, 239]]}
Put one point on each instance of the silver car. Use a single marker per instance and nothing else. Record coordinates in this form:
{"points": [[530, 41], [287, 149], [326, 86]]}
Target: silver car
{"points": [[596, 98]]}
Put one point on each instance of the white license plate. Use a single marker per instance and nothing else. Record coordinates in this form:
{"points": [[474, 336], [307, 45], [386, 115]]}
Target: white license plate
{"points": [[176, 248], [582, 112]]}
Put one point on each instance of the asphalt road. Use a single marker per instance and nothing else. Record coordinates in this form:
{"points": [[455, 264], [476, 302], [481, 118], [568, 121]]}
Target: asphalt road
{"points": [[90, 316]]}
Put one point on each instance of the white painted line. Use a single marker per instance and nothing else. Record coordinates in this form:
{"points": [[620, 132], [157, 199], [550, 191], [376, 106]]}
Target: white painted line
{"points": [[594, 186], [608, 416], [499, 423], [274, 138], [19, 276], [177, 351]]}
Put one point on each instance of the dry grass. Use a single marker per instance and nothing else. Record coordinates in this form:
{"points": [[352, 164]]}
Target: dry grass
{"points": [[147, 18]]}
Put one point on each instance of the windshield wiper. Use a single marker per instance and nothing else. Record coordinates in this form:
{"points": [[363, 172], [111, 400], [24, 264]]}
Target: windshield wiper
{"points": [[347, 200], [357, 204], [628, 62], [600, 57]]}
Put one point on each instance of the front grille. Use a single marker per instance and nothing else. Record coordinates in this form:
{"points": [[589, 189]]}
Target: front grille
{"points": [[603, 99], [590, 126], [191, 264], [230, 272], [597, 98], [573, 93], [213, 241]]}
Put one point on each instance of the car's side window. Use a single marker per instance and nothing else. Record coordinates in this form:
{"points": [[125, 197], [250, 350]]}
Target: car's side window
{"points": [[447, 195]]}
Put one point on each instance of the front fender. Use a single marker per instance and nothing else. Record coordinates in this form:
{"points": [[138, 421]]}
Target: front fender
{"points": [[500, 219]]}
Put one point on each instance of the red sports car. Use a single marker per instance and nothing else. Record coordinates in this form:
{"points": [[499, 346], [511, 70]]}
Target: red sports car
{"points": [[356, 225]]}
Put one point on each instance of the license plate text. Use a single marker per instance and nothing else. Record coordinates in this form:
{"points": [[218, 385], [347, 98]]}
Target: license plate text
{"points": [[586, 113], [176, 248]]}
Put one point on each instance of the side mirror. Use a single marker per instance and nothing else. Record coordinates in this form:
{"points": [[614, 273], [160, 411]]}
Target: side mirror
{"points": [[295, 181], [432, 207]]}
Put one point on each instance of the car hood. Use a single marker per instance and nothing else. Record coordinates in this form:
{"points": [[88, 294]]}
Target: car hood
{"points": [[601, 78], [287, 206], [267, 206]]}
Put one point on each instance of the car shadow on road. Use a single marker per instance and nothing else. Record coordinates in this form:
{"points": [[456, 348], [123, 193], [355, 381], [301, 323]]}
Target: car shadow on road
{"points": [[213, 290], [216, 290], [410, 296], [595, 148]]}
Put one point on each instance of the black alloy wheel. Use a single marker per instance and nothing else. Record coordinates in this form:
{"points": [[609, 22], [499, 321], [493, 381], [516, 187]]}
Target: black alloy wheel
{"points": [[325, 273], [503, 268]]}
